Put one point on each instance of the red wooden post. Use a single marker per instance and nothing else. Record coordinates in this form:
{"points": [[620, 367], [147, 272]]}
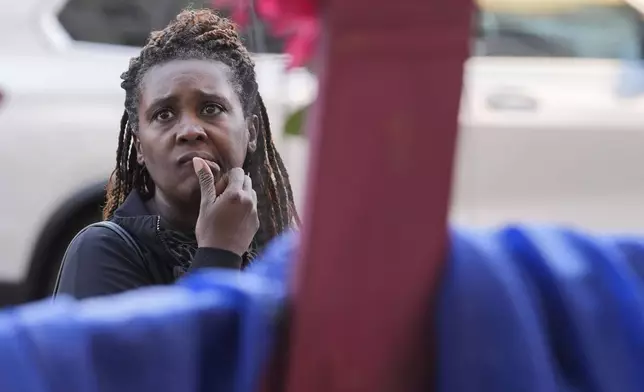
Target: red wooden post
{"points": [[374, 234]]}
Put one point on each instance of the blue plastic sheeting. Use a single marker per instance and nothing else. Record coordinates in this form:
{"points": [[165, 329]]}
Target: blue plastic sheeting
{"points": [[209, 333], [542, 309], [521, 309], [538, 309]]}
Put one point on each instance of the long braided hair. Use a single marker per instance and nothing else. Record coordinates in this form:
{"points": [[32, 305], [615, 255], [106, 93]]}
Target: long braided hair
{"points": [[202, 34]]}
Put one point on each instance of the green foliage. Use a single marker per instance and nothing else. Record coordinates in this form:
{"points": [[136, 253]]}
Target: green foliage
{"points": [[296, 121]]}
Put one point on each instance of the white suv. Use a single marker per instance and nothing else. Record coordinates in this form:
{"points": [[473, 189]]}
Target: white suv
{"points": [[552, 117]]}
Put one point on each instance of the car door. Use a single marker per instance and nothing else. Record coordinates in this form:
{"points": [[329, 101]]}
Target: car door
{"points": [[552, 116]]}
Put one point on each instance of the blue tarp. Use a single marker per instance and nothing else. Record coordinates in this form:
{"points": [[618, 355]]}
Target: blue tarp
{"points": [[210, 332], [542, 309], [521, 309]]}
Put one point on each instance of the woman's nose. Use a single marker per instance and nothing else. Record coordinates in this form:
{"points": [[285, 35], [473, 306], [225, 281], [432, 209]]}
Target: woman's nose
{"points": [[191, 132]]}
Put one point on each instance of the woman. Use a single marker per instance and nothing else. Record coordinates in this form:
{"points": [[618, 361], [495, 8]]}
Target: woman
{"points": [[198, 181]]}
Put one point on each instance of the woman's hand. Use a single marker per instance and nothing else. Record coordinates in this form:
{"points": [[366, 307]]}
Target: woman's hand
{"points": [[229, 220]]}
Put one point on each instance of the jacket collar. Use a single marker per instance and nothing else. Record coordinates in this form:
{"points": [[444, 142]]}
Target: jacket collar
{"points": [[132, 206]]}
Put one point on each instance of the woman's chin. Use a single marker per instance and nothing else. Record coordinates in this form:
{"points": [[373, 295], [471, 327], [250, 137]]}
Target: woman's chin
{"points": [[189, 192], [193, 195]]}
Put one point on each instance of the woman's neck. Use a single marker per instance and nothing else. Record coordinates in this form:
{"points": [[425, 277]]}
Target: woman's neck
{"points": [[181, 218]]}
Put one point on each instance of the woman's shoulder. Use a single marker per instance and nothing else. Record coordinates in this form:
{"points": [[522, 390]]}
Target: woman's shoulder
{"points": [[103, 238], [100, 261]]}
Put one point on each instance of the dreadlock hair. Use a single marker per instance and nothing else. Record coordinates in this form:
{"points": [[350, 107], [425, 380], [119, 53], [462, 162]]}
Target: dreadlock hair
{"points": [[204, 35]]}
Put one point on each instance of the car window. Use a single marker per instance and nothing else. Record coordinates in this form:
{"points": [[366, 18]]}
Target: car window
{"points": [[608, 31], [128, 22]]}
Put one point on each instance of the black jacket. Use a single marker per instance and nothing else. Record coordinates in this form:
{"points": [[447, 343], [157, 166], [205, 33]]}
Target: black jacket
{"points": [[99, 262]]}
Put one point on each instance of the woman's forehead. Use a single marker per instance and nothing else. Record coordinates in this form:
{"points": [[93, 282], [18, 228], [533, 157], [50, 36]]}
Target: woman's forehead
{"points": [[174, 77]]}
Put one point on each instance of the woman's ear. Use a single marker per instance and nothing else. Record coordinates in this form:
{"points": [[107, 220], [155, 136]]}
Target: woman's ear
{"points": [[252, 124], [139, 153]]}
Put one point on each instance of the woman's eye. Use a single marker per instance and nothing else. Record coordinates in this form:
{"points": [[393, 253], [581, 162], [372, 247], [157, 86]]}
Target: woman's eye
{"points": [[211, 110], [164, 115]]}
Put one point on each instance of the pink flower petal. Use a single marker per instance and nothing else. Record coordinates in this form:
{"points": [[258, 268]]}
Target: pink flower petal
{"points": [[240, 10], [295, 19], [301, 45]]}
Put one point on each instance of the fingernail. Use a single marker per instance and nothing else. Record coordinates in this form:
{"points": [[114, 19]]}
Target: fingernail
{"points": [[197, 163]]}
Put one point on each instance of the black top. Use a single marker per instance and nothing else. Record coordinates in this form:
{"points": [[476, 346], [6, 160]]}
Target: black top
{"points": [[99, 262]]}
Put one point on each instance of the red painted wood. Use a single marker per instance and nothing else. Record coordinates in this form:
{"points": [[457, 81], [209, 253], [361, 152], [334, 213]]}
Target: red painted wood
{"points": [[374, 232]]}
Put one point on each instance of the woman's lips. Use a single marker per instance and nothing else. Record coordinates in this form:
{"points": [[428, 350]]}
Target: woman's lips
{"points": [[215, 168], [187, 157]]}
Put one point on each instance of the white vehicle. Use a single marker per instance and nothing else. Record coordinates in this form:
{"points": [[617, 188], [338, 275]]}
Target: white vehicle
{"points": [[551, 118]]}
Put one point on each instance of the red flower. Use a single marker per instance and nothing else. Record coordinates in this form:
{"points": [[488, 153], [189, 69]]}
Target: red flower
{"points": [[295, 19]]}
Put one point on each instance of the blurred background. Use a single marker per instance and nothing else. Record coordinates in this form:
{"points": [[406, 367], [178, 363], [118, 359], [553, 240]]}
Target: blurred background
{"points": [[550, 124]]}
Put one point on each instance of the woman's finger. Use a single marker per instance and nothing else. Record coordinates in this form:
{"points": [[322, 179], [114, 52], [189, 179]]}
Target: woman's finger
{"points": [[248, 183], [235, 180], [206, 181]]}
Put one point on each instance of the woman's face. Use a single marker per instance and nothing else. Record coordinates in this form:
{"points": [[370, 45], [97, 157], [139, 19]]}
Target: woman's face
{"points": [[190, 108]]}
